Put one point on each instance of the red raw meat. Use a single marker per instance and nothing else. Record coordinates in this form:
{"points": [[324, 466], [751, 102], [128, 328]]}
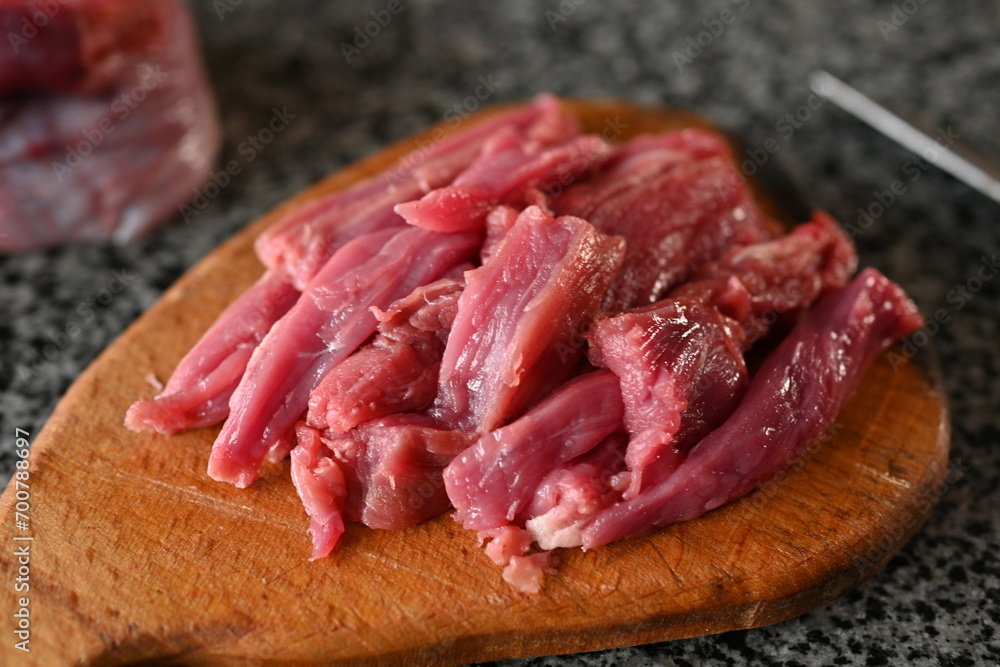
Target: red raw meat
{"points": [[780, 277], [199, 390], [492, 482], [676, 208], [575, 491], [308, 235], [635, 163], [398, 370], [396, 472], [792, 400], [507, 174], [330, 320], [499, 221], [515, 335], [385, 474], [682, 373], [680, 360], [107, 121], [322, 488]]}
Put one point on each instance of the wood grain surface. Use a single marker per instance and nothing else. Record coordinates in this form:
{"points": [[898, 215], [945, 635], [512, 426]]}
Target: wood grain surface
{"points": [[138, 557]]}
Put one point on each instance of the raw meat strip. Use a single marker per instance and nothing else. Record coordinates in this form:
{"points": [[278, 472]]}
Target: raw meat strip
{"points": [[574, 492], [513, 339], [631, 165], [309, 234], [781, 277], [393, 466], [680, 360], [385, 474], [303, 249], [792, 399], [505, 175], [568, 494], [673, 221], [198, 392], [682, 373], [107, 122], [328, 322], [499, 221], [322, 488], [492, 482], [398, 370]]}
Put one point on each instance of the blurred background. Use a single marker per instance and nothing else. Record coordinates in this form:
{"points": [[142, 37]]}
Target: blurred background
{"points": [[743, 64]]}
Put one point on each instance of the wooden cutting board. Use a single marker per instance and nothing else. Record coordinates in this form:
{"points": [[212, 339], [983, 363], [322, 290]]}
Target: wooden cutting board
{"points": [[138, 556]]}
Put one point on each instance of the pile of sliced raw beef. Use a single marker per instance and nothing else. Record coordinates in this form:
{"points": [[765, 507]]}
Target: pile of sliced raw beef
{"points": [[538, 329]]}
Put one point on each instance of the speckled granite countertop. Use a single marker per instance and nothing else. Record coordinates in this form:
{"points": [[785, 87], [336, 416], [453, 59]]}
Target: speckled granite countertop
{"points": [[938, 601]]}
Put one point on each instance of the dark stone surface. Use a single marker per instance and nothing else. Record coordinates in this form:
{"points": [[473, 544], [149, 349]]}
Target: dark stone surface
{"points": [[938, 602]]}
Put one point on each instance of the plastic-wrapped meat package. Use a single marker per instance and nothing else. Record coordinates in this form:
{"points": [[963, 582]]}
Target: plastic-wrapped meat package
{"points": [[107, 121]]}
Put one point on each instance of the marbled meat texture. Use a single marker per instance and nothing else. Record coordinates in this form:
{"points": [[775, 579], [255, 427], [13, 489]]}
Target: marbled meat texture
{"points": [[305, 237], [385, 474], [397, 371], [330, 320], [794, 397], [676, 206], [516, 334], [492, 482]]}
